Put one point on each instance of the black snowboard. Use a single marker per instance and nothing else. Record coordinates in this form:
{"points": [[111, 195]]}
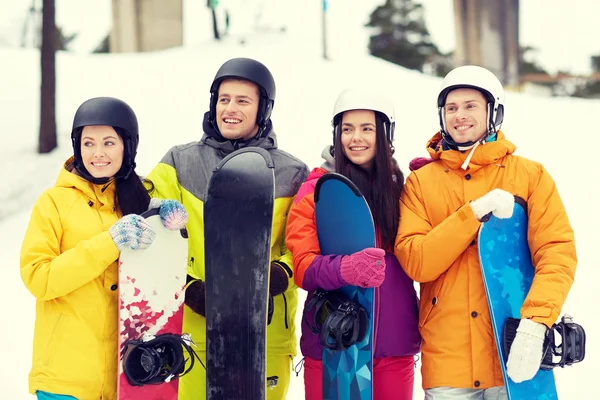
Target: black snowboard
{"points": [[238, 214]]}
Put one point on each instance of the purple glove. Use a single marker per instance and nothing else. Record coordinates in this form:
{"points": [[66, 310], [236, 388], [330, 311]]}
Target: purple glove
{"points": [[365, 268]]}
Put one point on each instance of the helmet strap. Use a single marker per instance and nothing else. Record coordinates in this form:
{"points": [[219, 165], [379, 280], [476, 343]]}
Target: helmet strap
{"points": [[465, 165]]}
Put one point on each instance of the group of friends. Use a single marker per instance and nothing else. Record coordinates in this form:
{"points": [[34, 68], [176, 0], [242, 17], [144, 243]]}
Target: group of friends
{"points": [[426, 224]]}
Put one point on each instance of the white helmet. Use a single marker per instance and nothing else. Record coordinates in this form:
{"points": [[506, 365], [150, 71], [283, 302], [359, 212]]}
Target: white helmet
{"points": [[473, 77], [356, 99]]}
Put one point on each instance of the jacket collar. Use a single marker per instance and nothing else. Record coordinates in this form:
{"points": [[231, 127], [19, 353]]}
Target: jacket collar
{"points": [[68, 178], [484, 154]]}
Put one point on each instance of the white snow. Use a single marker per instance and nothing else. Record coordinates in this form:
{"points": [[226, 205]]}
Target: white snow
{"points": [[169, 92]]}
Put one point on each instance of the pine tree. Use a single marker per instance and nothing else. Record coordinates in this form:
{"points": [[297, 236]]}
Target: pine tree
{"points": [[402, 36], [591, 88]]}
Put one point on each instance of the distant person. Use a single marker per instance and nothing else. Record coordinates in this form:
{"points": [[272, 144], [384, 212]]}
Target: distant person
{"points": [[218, 33]]}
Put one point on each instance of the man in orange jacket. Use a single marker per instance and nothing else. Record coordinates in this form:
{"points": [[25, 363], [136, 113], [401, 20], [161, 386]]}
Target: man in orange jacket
{"points": [[473, 172]]}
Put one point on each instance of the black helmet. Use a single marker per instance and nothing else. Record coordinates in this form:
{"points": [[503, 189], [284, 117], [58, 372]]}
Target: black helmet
{"points": [[107, 111], [255, 72]]}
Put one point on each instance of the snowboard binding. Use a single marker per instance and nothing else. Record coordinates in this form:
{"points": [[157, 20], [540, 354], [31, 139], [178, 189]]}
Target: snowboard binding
{"points": [[564, 344], [272, 382], [153, 360], [339, 321]]}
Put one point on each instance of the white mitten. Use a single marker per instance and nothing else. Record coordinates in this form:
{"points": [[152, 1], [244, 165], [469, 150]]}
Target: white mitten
{"points": [[498, 202], [526, 352]]}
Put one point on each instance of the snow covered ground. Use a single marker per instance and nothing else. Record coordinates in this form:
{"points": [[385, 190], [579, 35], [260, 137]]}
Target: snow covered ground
{"points": [[169, 92]]}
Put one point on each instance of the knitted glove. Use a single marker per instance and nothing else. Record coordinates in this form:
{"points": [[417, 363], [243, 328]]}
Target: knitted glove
{"points": [[498, 202], [195, 296], [526, 353], [172, 213], [132, 232], [365, 268], [279, 279]]}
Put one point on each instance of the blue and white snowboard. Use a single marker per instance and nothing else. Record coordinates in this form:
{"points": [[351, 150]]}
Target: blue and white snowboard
{"points": [[507, 274], [345, 226]]}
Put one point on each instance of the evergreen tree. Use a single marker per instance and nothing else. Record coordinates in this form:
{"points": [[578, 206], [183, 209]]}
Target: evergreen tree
{"points": [[528, 64], [591, 88], [401, 34]]}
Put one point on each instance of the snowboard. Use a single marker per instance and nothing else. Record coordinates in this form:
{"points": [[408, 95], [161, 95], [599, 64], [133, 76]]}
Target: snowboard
{"points": [[508, 272], [151, 293], [238, 215], [345, 226]]}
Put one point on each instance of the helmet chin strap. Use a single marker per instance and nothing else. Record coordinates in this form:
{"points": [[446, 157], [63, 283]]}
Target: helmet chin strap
{"points": [[465, 165], [472, 147]]}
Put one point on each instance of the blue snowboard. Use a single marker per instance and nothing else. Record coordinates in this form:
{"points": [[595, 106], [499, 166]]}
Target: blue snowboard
{"points": [[345, 226], [507, 274]]}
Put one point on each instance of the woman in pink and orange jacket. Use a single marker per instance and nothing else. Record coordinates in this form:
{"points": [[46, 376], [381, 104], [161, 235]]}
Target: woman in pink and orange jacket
{"points": [[363, 133]]}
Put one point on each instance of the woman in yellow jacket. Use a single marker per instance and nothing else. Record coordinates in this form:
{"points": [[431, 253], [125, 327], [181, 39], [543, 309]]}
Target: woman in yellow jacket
{"points": [[473, 172], [70, 251]]}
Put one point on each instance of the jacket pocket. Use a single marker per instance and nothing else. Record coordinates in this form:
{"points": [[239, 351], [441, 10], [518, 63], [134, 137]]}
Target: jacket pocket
{"points": [[430, 299], [78, 356], [52, 344]]}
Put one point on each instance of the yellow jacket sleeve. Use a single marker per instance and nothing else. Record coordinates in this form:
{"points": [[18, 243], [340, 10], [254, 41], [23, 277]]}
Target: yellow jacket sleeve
{"points": [[165, 182], [286, 260], [49, 273], [281, 210]]}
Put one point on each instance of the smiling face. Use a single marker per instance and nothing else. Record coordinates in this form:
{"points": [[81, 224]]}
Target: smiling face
{"points": [[465, 114], [358, 137], [237, 109], [101, 151]]}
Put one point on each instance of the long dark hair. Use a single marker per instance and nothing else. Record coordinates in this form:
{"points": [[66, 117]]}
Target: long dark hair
{"points": [[132, 194], [131, 191], [381, 186]]}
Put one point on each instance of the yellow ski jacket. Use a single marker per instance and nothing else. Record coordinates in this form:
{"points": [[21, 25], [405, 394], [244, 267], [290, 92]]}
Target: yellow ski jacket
{"points": [[69, 263]]}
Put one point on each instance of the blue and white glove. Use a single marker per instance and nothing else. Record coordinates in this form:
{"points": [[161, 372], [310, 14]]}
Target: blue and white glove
{"points": [[132, 232], [526, 352], [172, 213], [498, 202]]}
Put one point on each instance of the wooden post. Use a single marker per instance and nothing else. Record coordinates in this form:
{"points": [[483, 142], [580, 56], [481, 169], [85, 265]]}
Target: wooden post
{"points": [[487, 34], [47, 138], [146, 25], [324, 27]]}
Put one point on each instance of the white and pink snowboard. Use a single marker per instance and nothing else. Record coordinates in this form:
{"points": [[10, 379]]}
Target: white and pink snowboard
{"points": [[151, 294]]}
